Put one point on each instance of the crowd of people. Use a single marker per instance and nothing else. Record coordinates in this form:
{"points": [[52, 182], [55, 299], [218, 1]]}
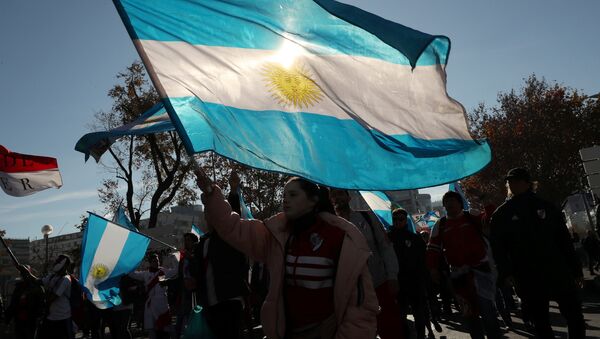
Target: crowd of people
{"points": [[320, 269]]}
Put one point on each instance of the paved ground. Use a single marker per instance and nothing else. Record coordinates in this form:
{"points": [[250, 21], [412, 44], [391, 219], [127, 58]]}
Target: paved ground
{"points": [[452, 328], [591, 308]]}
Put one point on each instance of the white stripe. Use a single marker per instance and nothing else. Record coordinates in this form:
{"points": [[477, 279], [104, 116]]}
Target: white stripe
{"points": [[26, 183], [311, 272], [108, 254], [391, 98], [375, 202], [313, 285], [292, 259]]}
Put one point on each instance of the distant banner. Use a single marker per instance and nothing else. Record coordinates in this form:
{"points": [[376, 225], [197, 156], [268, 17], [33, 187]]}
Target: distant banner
{"points": [[23, 174]]}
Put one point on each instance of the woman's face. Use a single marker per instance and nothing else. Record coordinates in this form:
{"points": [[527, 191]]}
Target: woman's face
{"points": [[295, 201]]}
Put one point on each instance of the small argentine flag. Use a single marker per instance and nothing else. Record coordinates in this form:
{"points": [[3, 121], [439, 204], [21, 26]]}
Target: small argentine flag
{"points": [[381, 205], [108, 252], [302, 87], [197, 231], [244, 209], [456, 187]]}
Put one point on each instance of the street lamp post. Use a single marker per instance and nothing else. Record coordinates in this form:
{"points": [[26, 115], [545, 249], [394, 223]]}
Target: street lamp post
{"points": [[46, 231]]}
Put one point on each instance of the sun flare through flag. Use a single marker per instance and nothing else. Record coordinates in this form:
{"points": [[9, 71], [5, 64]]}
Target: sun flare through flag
{"points": [[317, 89]]}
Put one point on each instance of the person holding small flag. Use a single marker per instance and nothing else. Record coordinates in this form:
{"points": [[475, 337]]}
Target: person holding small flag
{"points": [[26, 307], [57, 323]]}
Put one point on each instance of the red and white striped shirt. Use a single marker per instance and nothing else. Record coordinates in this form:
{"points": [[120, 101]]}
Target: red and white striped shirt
{"points": [[310, 268]]}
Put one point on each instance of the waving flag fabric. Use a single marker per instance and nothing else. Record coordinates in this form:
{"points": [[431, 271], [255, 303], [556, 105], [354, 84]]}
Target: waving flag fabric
{"points": [[430, 218], [306, 88], [456, 187], [108, 251], [382, 206], [155, 120], [197, 231], [246, 213], [23, 174], [121, 218]]}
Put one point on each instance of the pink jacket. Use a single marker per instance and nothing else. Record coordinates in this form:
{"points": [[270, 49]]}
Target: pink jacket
{"points": [[355, 301]]}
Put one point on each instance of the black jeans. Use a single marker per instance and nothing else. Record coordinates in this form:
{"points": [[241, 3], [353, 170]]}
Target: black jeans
{"points": [[56, 329], [225, 319], [118, 323], [569, 305]]}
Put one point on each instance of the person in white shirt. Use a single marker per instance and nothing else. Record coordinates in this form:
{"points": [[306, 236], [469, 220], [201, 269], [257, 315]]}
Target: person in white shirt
{"points": [[157, 315]]}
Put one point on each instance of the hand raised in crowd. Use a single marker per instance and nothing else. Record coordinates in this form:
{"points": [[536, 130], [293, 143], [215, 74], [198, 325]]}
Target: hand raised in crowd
{"points": [[234, 181], [204, 182]]}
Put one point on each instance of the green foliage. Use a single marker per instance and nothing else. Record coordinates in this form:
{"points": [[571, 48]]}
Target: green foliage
{"points": [[540, 127]]}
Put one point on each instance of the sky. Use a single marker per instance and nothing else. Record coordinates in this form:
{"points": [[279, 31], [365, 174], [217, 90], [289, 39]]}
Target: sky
{"points": [[59, 58]]}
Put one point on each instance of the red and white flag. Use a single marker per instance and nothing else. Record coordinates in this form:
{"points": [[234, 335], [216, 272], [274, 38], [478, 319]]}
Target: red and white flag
{"points": [[23, 174]]}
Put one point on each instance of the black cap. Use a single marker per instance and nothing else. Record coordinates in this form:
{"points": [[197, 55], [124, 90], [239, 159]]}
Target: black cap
{"points": [[518, 173]]}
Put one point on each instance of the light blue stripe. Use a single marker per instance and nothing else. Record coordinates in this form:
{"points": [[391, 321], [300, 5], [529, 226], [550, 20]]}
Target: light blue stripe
{"points": [[334, 152], [260, 24], [91, 239]]}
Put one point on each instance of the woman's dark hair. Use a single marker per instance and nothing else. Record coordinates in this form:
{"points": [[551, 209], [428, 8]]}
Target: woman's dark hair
{"points": [[453, 195], [313, 190]]}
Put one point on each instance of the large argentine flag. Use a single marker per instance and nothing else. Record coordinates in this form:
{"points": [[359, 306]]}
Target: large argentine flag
{"points": [[24, 174], [317, 89], [109, 251]]}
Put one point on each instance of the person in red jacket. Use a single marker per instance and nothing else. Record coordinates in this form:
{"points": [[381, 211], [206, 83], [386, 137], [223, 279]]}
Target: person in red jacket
{"points": [[459, 239]]}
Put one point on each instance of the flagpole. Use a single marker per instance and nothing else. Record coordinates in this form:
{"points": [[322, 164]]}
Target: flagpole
{"points": [[10, 253], [137, 232]]}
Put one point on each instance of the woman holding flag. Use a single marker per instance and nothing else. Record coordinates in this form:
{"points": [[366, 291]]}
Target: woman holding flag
{"points": [[320, 284]]}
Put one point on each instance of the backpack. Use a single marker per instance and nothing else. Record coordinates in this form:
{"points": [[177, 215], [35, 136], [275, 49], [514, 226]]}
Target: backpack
{"points": [[76, 302]]}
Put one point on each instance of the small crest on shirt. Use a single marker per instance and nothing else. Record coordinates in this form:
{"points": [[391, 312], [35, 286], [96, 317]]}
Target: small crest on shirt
{"points": [[515, 218], [316, 241], [408, 243], [541, 214]]}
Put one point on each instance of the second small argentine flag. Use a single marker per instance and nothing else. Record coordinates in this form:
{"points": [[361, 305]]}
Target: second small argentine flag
{"points": [[108, 252]]}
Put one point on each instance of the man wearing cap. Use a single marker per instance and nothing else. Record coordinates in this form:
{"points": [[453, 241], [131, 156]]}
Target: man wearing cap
{"points": [[533, 250]]}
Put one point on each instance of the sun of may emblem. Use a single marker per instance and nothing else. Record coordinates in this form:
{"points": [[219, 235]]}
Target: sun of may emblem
{"points": [[292, 86], [99, 271]]}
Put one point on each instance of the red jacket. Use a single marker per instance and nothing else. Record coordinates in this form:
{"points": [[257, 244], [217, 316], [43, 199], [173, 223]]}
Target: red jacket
{"points": [[459, 240]]}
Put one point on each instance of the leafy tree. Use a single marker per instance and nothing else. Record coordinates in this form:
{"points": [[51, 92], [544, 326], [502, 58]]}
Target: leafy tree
{"points": [[540, 127], [154, 168]]}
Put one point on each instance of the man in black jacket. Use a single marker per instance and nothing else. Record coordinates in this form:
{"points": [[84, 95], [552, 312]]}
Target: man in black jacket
{"points": [[533, 250], [221, 274], [412, 272]]}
